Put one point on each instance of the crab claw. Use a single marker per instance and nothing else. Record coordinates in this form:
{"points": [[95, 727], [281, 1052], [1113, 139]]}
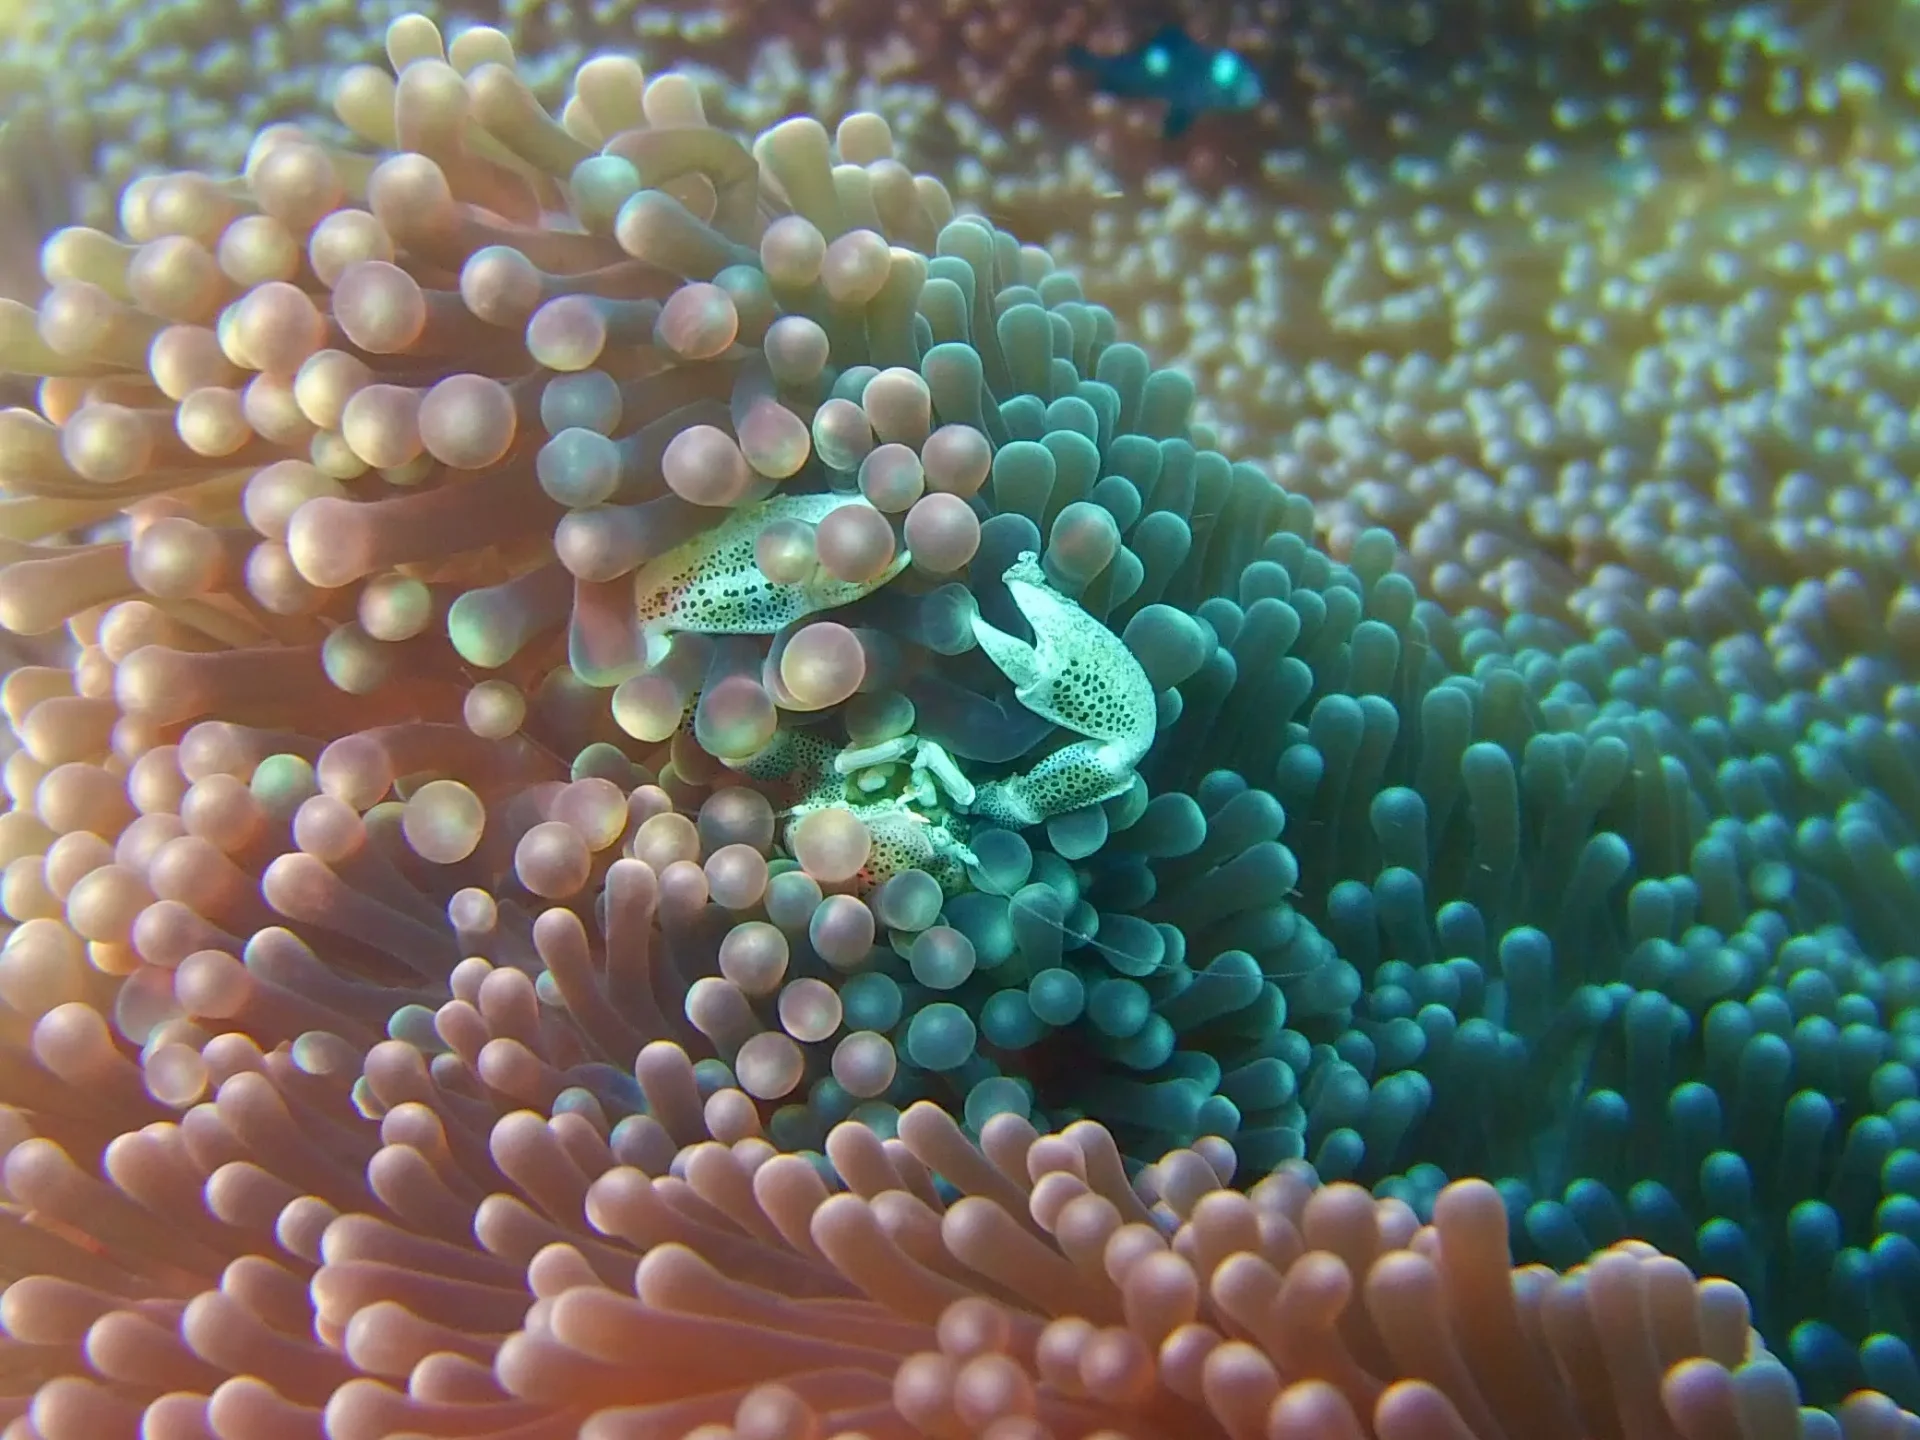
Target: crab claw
{"points": [[713, 583], [1080, 675], [1011, 656]]}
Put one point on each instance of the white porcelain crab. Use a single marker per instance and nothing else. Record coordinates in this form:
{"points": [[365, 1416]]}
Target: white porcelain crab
{"points": [[912, 828], [912, 795]]}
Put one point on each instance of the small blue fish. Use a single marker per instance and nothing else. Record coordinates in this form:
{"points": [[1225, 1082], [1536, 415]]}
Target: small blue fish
{"points": [[1190, 77]]}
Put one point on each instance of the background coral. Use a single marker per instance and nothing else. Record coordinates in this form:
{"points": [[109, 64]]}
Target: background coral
{"points": [[1542, 291], [1416, 892]]}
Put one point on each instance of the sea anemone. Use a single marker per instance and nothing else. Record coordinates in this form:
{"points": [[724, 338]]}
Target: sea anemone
{"points": [[551, 588], [673, 1277]]}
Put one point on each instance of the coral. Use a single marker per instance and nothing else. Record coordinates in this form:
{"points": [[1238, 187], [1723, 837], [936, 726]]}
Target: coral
{"points": [[1345, 78], [1540, 269], [489, 541], [870, 1304], [482, 1271]]}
